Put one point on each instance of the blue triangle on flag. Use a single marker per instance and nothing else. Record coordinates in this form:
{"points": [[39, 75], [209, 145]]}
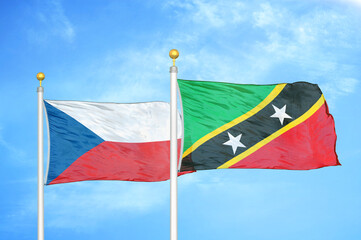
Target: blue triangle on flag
{"points": [[69, 140]]}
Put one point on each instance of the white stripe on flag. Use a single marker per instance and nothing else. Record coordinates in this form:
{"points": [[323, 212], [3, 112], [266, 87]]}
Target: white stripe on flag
{"points": [[118, 122]]}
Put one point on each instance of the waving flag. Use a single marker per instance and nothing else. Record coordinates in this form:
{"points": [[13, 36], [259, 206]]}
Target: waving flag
{"points": [[108, 141], [283, 126]]}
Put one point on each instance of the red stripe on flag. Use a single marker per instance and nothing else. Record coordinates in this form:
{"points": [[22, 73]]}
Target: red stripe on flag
{"points": [[309, 145], [145, 162]]}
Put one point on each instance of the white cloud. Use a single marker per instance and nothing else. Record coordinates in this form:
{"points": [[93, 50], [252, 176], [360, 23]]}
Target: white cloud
{"points": [[267, 16], [52, 22], [210, 13], [352, 2], [348, 85], [306, 41], [338, 87], [85, 204], [133, 75], [313, 44], [291, 38], [13, 151], [218, 188]]}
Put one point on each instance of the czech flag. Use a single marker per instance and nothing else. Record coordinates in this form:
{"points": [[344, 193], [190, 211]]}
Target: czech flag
{"points": [[108, 141]]}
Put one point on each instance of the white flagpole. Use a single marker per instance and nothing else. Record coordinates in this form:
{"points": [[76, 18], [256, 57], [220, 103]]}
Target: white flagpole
{"points": [[173, 148], [40, 76]]}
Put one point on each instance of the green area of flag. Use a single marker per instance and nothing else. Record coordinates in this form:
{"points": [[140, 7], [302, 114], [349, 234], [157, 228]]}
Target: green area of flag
{"points": [[209, 105]]}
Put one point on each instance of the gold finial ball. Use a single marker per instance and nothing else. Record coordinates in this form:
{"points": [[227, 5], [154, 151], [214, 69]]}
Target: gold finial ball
{"points": [[40, 76], [173, 53]]}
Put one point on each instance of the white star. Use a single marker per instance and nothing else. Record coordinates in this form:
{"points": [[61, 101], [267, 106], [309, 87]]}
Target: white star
{"points": [[235, 142], [280, 113]]}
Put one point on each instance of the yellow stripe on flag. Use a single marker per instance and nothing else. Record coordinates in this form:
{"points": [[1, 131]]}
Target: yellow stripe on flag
{"points": [[234, 122], [276, 134]]}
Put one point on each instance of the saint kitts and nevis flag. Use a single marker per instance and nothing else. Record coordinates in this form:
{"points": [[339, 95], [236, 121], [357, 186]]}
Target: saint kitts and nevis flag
{"points": [[281, 126]]}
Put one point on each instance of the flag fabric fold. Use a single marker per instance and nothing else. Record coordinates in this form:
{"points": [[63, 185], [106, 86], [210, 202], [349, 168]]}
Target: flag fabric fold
{"points": [[280, 126], [108, 141]]}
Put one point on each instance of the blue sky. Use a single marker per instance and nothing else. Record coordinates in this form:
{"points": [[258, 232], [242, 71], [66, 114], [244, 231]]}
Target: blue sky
{"points": [[118, 51]]}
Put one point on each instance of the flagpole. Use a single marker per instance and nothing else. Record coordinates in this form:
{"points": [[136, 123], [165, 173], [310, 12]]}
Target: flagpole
{"points": [[173, 148], [40, 76]]}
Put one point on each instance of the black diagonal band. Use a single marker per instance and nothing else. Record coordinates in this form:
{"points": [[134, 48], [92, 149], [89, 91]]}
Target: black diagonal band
{"points": [[298, 98]]}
